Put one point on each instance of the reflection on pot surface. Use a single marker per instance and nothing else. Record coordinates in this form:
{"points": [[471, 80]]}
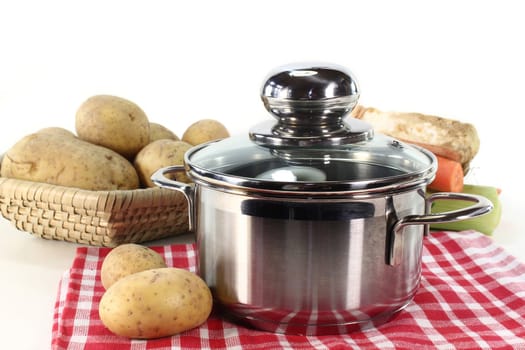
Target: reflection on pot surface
{"points": [[305, 266], [293, 173]]}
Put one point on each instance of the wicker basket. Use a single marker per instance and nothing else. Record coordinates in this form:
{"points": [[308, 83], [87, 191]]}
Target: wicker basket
{"points": [[100, 218]]}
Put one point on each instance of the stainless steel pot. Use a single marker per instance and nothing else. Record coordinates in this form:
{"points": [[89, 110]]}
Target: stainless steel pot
{"points": [[312, 225]]}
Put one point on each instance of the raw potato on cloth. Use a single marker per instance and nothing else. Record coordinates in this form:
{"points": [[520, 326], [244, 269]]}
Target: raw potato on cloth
{"points": [[127, 259], [156, 303]]}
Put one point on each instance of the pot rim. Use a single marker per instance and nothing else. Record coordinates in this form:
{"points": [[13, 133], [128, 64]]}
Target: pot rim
{"points": [[248, 185]]}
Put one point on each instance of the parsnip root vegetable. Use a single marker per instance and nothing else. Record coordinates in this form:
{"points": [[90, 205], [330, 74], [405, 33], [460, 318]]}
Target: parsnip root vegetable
{"points": [[444, 137]]}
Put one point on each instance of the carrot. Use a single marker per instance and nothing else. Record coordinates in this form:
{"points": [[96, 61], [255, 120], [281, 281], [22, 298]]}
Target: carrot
{"points": [[449, 176]]}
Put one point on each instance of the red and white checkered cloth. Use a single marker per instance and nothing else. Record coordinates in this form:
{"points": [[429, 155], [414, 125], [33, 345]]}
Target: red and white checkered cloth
{"points": [[472, 296]]}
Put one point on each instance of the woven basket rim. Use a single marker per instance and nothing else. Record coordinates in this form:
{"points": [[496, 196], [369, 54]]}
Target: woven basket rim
{"points": [[6, 180], [106, 218]]}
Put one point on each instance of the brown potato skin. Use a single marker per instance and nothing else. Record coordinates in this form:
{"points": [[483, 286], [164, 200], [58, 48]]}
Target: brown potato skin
{"points": [[113, 122], [203, 131], [68, 161], [158, 132], [160, 154], [156, 303], [126, 259], [58, 131]]}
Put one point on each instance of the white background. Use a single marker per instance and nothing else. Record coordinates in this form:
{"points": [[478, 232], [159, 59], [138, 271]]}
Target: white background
{"points": [[183, 61], [207, 59]]}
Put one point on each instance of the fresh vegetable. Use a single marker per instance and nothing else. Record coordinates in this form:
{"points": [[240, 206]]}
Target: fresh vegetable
{"points": [[155, 303], [158, 131], [445, 137], [57, 131], [127, 259], [485, 224], [449, 176], [159, 154], [59, 159], [203, 131], [110, 133], [113, 122]]}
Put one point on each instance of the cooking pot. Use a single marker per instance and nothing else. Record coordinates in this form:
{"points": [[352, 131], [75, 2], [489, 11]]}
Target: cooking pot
{"points": [[311, 224]]}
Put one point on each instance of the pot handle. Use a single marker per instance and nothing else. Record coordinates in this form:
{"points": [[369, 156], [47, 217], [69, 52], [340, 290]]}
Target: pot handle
{"points": [[159, 179], [480, 207]]}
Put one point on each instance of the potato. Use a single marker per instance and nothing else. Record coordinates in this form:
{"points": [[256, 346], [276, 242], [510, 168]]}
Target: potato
{"points": [[204, 130], [113, 122], [155, 303], [159, 154], [158, 132], [57, 131], [127, 259], [68, 161]]}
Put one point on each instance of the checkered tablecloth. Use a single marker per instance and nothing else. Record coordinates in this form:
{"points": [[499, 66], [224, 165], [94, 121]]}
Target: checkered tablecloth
{"points": [[472, 296]]}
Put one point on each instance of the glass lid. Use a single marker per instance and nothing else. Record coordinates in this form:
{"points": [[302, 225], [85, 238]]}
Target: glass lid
{"points": [[313, 145]]}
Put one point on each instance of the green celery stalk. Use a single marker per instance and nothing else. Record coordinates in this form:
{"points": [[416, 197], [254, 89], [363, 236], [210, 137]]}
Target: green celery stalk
{"points": [[485, 224]]}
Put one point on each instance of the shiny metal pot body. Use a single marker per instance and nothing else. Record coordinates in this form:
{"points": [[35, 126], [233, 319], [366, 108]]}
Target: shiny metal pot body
{"points": [[312, 264], [307, 266]]}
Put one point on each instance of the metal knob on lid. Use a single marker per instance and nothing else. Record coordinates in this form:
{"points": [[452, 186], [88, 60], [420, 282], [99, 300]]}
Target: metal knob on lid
{"points": [[310, 102]]}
